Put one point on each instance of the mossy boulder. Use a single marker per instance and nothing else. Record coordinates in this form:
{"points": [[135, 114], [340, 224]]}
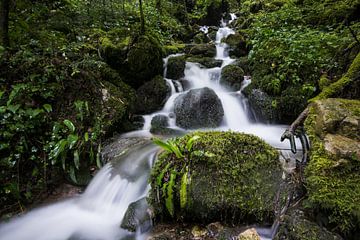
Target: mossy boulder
{"points": [[201, 50], [232, 76], [332, 175], [173, 48], [114, 53], [208, 62], [198, 108], [201, 38], [238, 45], [144, 61], [226, 176], [151, 96], [175, 67], [296, 226], [116, 105]]}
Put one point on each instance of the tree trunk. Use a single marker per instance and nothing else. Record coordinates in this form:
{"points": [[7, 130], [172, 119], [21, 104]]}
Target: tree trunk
{"points": [[4, 22], [142, 19]]}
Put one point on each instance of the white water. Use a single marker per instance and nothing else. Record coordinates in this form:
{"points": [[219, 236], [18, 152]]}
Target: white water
{"points": [[97, 214]]}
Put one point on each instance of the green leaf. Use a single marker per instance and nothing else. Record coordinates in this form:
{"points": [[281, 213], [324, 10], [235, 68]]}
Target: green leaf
{"points": [[98, 157], [91, 154], [183, 189], [162, 144], [76, 159], [72, 174], [72, 140], [47, 107], [191, 141], [209, 154], [86, 136], [70, 125], [175, 149], [170, 190], [59, 149], [13, 108]]}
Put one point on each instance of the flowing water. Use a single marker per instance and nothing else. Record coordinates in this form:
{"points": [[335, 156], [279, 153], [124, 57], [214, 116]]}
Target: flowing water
{"points": [[98, 212]]}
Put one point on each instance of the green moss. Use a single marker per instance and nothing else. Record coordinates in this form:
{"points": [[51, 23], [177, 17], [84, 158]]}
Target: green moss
{"points": [[333, 188], [233, 177], [174, 48], [335, 88]]}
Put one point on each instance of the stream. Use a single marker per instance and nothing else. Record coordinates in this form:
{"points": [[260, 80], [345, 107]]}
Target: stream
{"points": [[98, 212]]}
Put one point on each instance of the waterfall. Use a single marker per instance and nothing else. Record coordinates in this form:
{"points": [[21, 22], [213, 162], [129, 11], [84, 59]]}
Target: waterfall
{"points": [[98, 212]]}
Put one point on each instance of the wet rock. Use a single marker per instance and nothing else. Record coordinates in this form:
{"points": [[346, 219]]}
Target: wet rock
{"points": [[232, 76], [201, 50], [207, 62], [332, 176], [261, 103], [137, 216], [119, 146], [175, 67], [232, 177], [201, 38], [158, 123], [250, 234], [198, 108], [297, 227], [151, 96], [198, 232], [238, 45]]}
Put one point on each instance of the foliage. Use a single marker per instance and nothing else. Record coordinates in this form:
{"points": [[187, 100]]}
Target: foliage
{"points": [[291, 52]]}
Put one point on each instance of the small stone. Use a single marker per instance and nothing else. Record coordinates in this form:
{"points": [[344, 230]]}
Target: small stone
{"points": [[250, 234], [198, 232]]}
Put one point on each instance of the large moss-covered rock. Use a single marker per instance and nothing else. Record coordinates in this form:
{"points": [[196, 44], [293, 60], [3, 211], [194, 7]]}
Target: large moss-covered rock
{"points": [[151, 96], [144, 61], [198, 108], [226, 176], [332, 175], [137, 216], [114, 53], [232, 76], [175, 67]]}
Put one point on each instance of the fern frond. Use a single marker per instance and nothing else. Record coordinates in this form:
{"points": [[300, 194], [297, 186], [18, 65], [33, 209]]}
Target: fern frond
{"points": [[170, 191], [183, 189]]}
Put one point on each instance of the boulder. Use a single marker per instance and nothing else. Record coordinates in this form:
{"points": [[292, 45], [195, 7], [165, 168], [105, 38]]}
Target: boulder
{"points": [[114, 53], [296, 226], [201, 38], [207, 62], [262, 104], [226, 176], [332, 174], [198, 108], [201, 50], [237, 44], [249, 234], [151, 96], [232, 76], [137, 216], [159, 125], [175, 67], [144, 61]]}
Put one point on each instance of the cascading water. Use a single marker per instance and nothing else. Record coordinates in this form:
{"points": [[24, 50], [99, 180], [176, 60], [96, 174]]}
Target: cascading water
{"points": [[98, 212]]}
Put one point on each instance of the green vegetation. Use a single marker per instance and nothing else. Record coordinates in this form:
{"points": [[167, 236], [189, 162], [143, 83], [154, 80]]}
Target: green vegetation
{"points": [[294, 43]]}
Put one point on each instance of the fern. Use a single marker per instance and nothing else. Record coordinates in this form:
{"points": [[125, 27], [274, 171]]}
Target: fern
{"points": [[183, 189], [170, 191]]}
